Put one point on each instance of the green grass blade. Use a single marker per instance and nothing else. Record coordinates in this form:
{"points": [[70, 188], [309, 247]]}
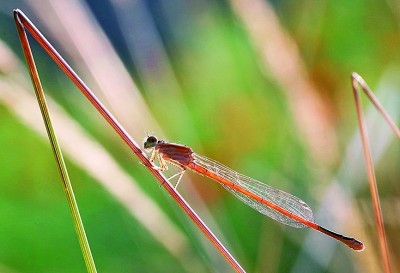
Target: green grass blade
{"points": [[84, 244]]}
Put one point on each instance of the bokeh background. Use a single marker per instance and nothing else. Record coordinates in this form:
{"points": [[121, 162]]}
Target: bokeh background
{"points": [[261, 86]]}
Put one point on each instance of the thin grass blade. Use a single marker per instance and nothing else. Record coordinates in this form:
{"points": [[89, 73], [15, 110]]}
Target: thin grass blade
{"points": [[358, 81], [83, 242]]}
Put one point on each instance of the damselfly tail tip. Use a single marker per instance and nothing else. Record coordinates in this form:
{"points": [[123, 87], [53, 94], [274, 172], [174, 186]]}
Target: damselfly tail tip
{"points": [[349, 241], [357, 245]]}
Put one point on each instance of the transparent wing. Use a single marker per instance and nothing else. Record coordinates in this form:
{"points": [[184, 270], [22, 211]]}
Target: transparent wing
{"points": [[283, 199]]}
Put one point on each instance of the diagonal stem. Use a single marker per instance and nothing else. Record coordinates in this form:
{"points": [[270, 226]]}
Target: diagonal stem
{"points": [[358, 81], [27, 24]]}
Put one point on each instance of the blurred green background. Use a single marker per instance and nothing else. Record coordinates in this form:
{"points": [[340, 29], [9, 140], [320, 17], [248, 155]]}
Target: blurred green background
{"points": [[263, 87]]}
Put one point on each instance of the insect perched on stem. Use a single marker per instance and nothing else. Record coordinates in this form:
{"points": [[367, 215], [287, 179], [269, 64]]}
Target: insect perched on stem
{"points": [[276, 204]]}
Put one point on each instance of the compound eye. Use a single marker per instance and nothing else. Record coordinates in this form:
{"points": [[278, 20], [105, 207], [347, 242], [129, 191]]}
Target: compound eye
{"points": [[150, 142]]}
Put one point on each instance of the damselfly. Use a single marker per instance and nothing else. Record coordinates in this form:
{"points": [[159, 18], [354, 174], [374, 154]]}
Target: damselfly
{"points": [[277, 204]]}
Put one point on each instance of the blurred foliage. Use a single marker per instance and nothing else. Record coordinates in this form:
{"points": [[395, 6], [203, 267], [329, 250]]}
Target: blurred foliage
{"points": [[202, 79]]}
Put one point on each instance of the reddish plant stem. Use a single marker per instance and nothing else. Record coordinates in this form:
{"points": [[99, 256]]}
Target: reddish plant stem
{"points": [[357, 80], [38, 36]]}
